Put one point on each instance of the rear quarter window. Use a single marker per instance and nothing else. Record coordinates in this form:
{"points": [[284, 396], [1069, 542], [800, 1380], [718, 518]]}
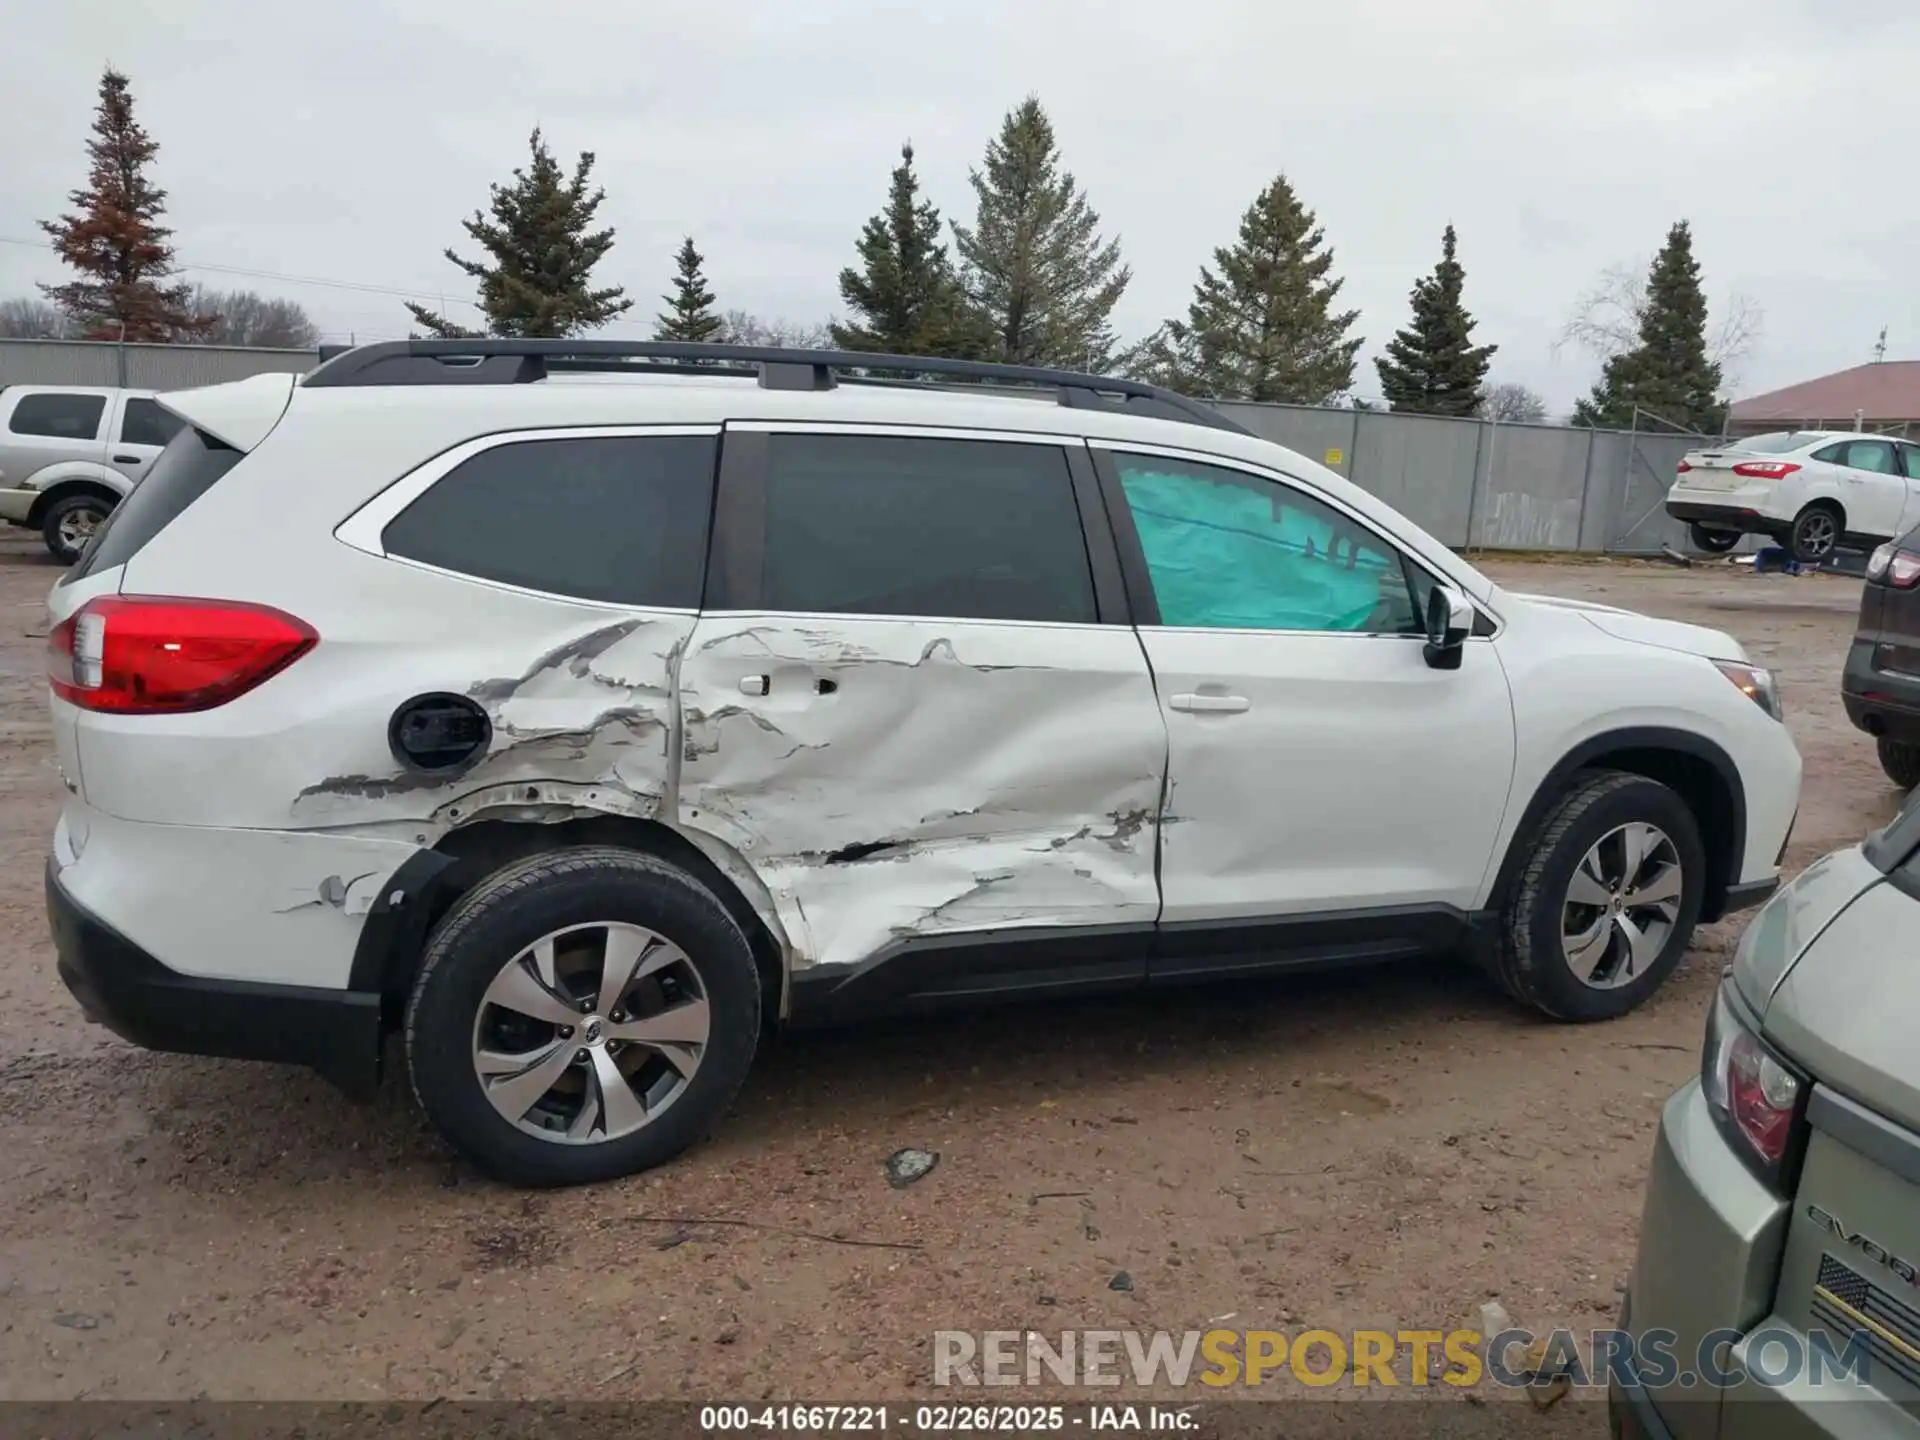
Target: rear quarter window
{"points": [[145, 423], [617, 519], [189, 467]]}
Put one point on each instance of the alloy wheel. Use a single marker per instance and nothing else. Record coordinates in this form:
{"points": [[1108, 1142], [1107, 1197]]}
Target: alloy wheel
{"points": [[1817, 534], [1622, 905], [76, 528], [591, 1032]]}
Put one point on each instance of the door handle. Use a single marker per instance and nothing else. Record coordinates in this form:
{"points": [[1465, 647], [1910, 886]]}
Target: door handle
{"points": [[1211, 704], [126, 460]]}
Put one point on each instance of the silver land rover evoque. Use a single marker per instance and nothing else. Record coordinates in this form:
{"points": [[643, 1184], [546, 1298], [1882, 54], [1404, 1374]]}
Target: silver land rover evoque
{"points": [[1777, 1290]]}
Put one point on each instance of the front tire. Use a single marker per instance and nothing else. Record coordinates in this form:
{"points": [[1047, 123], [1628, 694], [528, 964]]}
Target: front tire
{"points": [[69, 524], [584, 1014], [1714, 542], [1606, 903], [1901, 762], [1815, 534]]}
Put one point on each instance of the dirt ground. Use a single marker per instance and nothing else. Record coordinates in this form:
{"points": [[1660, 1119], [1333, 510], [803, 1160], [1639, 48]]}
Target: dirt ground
{"points": [[1380, 1149]]}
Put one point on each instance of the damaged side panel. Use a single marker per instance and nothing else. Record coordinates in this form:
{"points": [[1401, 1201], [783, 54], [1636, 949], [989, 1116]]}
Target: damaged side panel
{"points": [[580, 701], [892, 778]]}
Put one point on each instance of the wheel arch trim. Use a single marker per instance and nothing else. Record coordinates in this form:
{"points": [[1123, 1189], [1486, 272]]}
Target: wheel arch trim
{"points": [[1592, 753], [394, 935]]}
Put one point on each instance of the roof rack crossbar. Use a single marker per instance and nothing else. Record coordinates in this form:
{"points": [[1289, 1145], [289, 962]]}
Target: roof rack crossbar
{"points": [[489, 360]]}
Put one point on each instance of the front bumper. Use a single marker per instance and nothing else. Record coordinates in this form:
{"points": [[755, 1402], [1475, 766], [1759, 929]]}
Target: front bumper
{"points": [[16, 505], [1880, 702], [1753, 893], [121, 986]]}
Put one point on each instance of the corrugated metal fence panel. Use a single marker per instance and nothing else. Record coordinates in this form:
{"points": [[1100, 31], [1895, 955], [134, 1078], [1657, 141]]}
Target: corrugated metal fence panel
{"points": [[143, 367], [1531, 499], [1324, 436], [1525, 487], [184, 367], [57, 362], [1422, 465]]}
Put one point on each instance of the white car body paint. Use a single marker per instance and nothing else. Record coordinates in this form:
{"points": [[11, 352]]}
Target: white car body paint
{"points": [[1009, 774], [241, 413]]}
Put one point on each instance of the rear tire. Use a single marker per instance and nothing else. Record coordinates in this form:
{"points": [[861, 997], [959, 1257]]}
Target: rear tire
{"points": [[69, 524], [1585, 852], [530, 1090], [1816, 533], [1714, 542], [1900, 761]]}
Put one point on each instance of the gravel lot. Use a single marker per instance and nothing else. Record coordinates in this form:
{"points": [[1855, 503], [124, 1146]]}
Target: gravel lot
{"points": [[1389, 1148]]}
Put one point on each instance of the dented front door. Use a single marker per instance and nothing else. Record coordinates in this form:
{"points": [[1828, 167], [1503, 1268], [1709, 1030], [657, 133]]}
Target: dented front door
{"points": [[892, 772]]}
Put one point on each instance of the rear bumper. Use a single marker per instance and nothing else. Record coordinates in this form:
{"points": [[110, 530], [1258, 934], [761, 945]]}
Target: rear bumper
{"points": [[121, 986], [1631, 1414], [1880, 702], [1718, 515]]}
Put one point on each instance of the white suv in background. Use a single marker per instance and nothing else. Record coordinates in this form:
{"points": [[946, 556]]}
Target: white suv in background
{"points": [[597, 704], [1812, 491], [68, 454]]}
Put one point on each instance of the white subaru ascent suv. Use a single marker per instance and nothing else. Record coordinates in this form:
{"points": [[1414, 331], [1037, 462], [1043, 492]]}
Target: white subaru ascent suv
{"points": [[593, 706]]}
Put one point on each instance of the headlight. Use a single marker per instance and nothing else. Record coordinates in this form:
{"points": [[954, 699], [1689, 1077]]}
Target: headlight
{"points": [[1756, 1097], [1753, 681]]}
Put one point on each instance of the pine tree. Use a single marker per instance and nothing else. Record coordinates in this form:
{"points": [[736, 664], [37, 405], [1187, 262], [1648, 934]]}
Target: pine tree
{"points": [[113, 238], [1433, 366], [905, 295], [537, 283], [1668, 373], [1262, 324], [1033, 262], [689, 315]]}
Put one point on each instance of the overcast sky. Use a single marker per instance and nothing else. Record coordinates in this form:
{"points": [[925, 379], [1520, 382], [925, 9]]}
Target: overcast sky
{"points": [[345, 141]]}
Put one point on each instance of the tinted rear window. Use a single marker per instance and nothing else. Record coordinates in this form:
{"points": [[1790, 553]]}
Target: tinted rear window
{"points": [[61, 417], [616, 519], [145, 423], [1778, 444], [181, 474], [883, 525]]}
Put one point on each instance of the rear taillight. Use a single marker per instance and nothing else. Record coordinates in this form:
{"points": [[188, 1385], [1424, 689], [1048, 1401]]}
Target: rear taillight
{"points": [[1755, 1095], [1890, 565], [1765, 469], [156, 655], [1682, 468]]}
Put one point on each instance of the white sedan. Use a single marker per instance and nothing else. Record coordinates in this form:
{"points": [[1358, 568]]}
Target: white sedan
{"points": [[1809, 490]]}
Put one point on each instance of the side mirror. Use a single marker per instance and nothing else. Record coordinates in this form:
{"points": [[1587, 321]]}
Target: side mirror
{"points": [[1449, 622]]}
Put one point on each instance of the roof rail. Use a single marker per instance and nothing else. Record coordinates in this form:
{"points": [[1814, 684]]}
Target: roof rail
{"points": [[488, 360]]}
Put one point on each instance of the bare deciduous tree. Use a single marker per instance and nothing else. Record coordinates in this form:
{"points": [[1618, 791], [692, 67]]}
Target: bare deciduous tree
{"points": [[1605, 320], [737, 327], [28, 319], [1513, 404], [244, 317]]}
